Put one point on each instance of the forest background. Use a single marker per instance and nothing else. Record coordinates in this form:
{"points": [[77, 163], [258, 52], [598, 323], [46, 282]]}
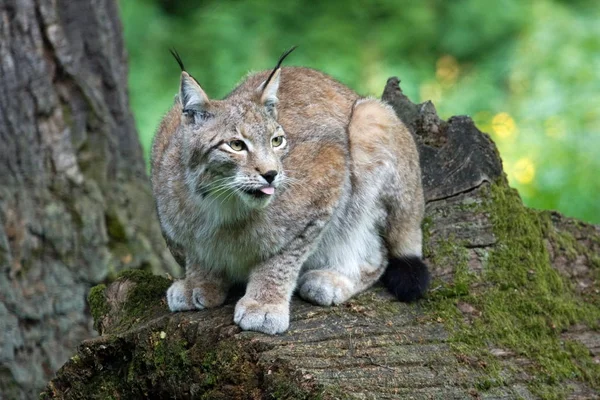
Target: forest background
{"points": [[527, 72]]}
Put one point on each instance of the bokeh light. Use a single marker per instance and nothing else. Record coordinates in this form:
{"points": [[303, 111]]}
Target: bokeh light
{"points": [[523, 171], [504, 126]]}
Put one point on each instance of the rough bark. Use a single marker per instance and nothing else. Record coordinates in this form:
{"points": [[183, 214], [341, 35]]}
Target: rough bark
{"points": [[74, 196], [513, 311]]}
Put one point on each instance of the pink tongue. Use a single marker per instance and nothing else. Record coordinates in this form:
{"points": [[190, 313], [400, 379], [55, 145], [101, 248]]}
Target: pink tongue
{"points": [[268, 190]]}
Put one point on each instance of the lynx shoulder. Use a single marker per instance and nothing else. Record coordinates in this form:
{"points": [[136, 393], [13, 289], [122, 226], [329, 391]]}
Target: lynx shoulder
{"points": [[293, 182]]}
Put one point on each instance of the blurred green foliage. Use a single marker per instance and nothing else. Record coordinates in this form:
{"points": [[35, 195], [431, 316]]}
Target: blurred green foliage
{"points": [[528, 72]]}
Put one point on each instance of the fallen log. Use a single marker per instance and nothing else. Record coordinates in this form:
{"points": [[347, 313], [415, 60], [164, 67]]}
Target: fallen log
{"points": [[512, 313]]}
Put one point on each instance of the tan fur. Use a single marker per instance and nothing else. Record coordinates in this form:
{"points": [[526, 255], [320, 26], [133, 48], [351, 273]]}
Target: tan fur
{"points": [[168, 126], [375, 133], [347, 193]]}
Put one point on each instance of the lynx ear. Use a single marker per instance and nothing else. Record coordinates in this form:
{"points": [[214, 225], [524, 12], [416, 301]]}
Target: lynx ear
{"points": [[268, 89], [268, 97], [191, 95]]}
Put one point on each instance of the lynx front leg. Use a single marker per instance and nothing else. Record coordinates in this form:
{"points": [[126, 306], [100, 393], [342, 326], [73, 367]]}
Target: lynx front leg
{"points": [[197, 291], [266, 305]]}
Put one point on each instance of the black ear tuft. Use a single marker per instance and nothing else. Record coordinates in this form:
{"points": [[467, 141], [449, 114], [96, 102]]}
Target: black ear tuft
{"points": [[284, 55], [191, 95], [407, 278], [177, 58], [281, 58]]}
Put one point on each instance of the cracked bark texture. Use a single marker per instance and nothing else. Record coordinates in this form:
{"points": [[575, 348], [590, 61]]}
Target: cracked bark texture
{"points": [[74, 195], [372, 347]]}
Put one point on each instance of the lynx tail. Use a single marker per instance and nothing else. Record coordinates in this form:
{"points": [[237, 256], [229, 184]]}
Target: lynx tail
{"points": [[407, 278]]}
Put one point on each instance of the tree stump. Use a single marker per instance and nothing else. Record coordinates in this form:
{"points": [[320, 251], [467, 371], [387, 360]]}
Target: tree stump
{"points": [[512, 313]]}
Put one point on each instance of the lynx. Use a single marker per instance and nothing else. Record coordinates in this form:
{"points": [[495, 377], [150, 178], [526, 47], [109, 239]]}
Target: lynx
{"points": [[292, 182]]}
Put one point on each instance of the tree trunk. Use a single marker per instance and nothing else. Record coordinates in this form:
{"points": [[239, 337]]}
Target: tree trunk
{"points": [[74, 195], [513, 311]]}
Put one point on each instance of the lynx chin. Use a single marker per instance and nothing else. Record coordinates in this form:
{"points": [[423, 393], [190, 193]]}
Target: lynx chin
{"points": [[293, 182]]}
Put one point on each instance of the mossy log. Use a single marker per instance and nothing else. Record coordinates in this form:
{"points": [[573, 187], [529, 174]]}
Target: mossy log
{"points": [[512, 313]]}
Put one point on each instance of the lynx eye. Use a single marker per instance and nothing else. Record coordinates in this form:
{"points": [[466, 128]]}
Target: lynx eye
{"points": [[237, 145], [277, 141]]}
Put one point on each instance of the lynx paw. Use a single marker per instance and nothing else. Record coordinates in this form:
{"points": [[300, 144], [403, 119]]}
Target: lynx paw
{"points": [[251, 315], [177, 297], [205, 295], [325, 288]]}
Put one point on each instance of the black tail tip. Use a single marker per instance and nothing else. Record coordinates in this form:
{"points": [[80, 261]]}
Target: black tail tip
{"points": [[407, 278]]}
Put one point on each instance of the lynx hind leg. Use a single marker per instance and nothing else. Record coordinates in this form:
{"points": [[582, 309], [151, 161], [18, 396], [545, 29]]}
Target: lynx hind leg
{"points": [[337, 272], [197, 291], [327, 287], [383, 148]]}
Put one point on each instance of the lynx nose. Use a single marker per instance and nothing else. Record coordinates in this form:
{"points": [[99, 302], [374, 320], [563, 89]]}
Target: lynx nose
{"points": [[269, 176]]}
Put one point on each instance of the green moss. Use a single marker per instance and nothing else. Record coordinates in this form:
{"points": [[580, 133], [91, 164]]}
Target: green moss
{"points": [[568, 246], [452, 252], [105, 386], [471, 205], [426, 228], [149, 288], [145, 298], [164, 358], [524, 302], [97, 303], [567, 243]]}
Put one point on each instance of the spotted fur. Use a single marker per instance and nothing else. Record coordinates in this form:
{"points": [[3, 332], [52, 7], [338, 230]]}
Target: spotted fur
{"points": [[347, 195]]}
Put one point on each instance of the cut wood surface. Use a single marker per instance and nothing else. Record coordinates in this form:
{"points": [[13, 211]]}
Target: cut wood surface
{"points": [[512, 313]]}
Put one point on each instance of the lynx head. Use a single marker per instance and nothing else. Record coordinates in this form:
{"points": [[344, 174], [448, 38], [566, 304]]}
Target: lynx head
{"points": [[233, 148]]}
